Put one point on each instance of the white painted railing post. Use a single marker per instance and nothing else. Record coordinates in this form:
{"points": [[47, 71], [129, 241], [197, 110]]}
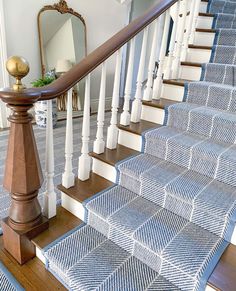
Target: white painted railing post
{"points": [[112, 133], [148, 90], [99, 143], [85, 160], [137, 103], [180, 38], [187, 35], [68, 177], [125, 116], [168, 72], [157, 88], [50, 198], [195, 20]]}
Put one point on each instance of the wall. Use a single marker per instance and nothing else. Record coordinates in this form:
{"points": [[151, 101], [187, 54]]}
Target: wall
{"points": [[103, 18]]}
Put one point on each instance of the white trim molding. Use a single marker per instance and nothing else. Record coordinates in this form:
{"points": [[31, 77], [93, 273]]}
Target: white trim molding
{"points": [[4, 112]]}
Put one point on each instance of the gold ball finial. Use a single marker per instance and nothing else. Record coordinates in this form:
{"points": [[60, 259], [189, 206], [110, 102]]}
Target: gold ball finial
{"points": [[18, 68]]}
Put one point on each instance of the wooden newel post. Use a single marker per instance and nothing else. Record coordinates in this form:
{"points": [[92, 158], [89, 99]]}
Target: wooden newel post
{"points": [[23, 174]]}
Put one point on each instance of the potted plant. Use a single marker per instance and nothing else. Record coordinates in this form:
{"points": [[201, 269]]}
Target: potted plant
{"points": [[41, 106]]}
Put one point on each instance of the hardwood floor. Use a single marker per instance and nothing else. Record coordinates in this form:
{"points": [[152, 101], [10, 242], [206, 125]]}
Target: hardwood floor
{"points": [[32, 276]]}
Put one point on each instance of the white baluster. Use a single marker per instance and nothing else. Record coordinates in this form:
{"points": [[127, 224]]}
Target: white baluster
{"points": [[85, 159], [187, 35], [137, 103], [125, 116], [148, 90], [112, 133], [157, 88], [50, 197], [168, 72], [195, 20], [68, 178], [99, 143], [180, 38]]}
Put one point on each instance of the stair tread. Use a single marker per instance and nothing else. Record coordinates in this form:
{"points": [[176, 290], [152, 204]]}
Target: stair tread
{"points": [[201, 47], [191, 64], [208, 30], [84, 190], [58, 226], [161, 104], [138, 128], [112, 157], [206, 14], [178, 82]]}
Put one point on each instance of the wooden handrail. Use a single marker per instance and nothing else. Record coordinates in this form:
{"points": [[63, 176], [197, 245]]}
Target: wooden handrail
{"points": [[93, 60]]}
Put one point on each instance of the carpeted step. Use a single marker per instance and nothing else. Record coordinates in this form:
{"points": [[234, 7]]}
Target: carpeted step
{"points": [[87, 260], [224, 21], [204, 121], [205, 156], [150, 233], [222, 6], [223, 54], [226, 37], [219, 73]]}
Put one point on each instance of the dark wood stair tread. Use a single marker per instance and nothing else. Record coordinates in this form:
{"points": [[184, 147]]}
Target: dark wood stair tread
{"points": [[86, 189], [191, 64], [112, 157], [224, 275], [208, 30], [138, 128], [177, 82], [204, 14], [201, 47], [58, 226], [161, 104]]}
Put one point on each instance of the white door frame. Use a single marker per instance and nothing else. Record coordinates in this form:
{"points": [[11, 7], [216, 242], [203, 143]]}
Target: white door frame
{"points": [[4, 112]]}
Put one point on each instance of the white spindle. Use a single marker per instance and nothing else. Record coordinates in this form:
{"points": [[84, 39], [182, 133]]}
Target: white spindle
{"points": [[168, 72], [85, 159], [187, 35], [157, 88], [148, 90], [137, 103], [180, 37], [125, 116], [112, 133], [195, 20], [99, 143], [68, 178], [50, 198]]}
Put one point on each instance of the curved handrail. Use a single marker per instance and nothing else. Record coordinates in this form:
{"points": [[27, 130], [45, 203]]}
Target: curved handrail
{"points": [[93, 60]]}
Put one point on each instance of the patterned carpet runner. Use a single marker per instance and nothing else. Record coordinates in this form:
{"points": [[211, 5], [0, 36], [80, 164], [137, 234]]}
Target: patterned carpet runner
{"points": [[171, 215], [7, 281]]}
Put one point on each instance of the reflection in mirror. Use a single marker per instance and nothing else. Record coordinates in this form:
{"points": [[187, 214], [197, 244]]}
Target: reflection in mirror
{"points": [[62, 36]]}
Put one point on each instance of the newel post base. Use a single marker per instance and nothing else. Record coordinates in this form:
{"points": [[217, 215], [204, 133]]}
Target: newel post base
{"points": [[18, 242]]}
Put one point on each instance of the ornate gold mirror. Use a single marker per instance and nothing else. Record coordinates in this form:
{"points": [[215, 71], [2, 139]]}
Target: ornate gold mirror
{"points": [[63, 43]]}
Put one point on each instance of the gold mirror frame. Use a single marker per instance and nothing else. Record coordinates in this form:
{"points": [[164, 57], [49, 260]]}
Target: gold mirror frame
{"points": [[62, 8]]}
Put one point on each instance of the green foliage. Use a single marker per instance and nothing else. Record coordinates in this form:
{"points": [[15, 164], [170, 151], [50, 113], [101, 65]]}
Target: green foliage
{"points": [[43, 81]]}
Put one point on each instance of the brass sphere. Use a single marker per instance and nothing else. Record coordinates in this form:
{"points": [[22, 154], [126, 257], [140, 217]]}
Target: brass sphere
{"points": [[17, 67]]}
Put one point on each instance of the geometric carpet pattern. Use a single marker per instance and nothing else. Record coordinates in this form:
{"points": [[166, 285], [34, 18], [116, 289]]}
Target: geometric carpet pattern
{"points": [[172, 213], [7, 281]]}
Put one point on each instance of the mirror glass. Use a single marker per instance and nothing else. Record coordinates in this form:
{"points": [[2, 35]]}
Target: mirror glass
{"points": [[62, 38]]}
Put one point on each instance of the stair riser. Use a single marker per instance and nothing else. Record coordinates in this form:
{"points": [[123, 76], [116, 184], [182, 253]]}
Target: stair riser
{"points": [[204, 38], [153, 114], [205, 22], [73, 206], [190, 73], [199, 55], [104, 170], [130, 140], [203, 7], [173, 92]]}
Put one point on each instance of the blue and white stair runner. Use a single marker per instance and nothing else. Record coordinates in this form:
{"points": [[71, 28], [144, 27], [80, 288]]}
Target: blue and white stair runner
{"points": [[7, 281], [167, 221]]}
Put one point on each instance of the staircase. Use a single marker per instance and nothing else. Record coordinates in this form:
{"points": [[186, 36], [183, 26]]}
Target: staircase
{"points": [[158, 203]]}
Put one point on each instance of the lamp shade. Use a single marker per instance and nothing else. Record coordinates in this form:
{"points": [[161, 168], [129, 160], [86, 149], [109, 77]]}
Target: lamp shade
{"points": [[63, 66]]}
